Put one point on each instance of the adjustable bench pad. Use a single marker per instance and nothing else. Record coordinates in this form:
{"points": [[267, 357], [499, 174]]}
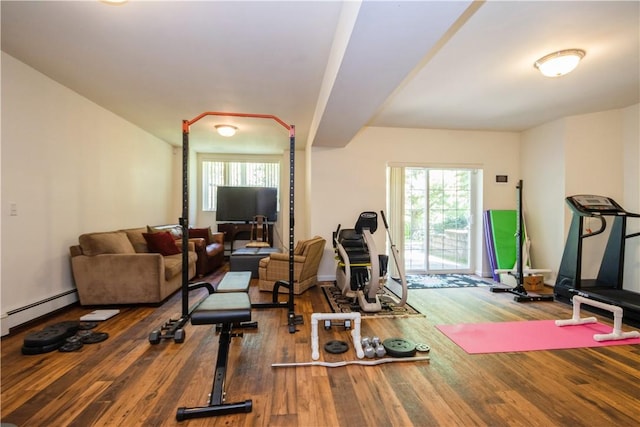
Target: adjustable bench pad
{"points": [[235, 281], [222, 308]]}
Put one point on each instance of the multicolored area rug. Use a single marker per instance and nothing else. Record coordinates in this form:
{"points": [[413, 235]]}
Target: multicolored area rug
{"points": [[436, 281], [389, 301]]}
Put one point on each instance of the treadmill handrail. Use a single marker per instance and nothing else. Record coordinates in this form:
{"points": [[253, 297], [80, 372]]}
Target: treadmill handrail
{"points": [[614, 210], [603, 226]]}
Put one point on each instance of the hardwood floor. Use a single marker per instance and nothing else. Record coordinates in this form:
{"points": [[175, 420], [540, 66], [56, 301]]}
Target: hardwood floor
{"points": [[126, 381]]}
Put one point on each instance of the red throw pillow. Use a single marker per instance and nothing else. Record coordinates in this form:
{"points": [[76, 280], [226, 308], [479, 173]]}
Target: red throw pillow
{"points": [[161, 243], [202, 233]]}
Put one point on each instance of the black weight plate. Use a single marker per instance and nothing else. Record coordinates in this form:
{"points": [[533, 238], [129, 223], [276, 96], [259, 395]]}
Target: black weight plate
{"points": [[95, 337], [423, 348], [42, 349], [83, 326], [75, 338], [83, 333], [336, 347], [46, 337], [399, 347], [70, 325], [71, 346]]}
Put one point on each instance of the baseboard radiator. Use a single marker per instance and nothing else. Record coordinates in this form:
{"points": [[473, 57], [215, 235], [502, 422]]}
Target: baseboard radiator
{"points": [[19, 316]]}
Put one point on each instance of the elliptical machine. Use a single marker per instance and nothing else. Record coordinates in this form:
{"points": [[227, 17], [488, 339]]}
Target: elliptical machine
{"points": [[361, 271]]}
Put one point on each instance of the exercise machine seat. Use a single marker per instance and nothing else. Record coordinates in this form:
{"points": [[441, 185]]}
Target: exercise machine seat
{"points": [[223, 308]]}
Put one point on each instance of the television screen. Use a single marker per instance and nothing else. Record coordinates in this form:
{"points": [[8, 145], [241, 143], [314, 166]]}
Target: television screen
{"points": [[267, 203], [243, 203]]}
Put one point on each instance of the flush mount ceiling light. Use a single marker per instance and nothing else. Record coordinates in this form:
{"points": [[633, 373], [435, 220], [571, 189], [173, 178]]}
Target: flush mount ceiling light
{"points": [[559, 63], [226, 130]]}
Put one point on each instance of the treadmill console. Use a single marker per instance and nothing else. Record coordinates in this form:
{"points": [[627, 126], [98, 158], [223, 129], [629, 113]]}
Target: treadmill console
{"points": [[587, 204]]}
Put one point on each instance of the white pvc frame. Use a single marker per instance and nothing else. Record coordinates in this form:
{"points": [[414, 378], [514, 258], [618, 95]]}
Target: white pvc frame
{"points": [[355, 331], [616, 334]]}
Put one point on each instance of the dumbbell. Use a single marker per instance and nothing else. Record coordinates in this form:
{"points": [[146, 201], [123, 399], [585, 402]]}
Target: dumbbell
{"points": [[380, 351], [369, 351], [373, 347]]}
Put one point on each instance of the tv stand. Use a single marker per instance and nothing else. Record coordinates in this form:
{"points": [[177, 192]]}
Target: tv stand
{"points": [[240, 231]]}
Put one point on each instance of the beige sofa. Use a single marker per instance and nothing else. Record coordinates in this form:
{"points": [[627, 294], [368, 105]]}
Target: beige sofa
{"points": [[117, 267], [306, 260]]}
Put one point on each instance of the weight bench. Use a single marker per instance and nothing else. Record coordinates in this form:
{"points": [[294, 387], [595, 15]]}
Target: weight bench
{"points": [[229, 305]]}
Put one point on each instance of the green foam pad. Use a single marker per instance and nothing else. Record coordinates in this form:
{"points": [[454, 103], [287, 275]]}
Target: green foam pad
{"points": [[503, 228]]}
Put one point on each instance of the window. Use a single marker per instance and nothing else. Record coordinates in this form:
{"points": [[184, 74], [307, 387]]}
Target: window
{"points": [[448, 214], [433, 209], [236, 174]]}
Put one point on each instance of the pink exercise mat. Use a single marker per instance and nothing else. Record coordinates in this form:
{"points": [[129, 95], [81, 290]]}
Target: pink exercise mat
{"points": [[502, 337]]}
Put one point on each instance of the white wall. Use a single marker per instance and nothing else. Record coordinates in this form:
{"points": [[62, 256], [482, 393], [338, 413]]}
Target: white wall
{"points": [[543, 175], [70, 167], [587, 154], [347, 181], [593, 165], [593, 154], [631, 173]]}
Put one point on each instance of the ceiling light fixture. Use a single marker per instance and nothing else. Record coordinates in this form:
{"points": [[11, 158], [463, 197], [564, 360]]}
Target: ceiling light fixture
{"points": [[559, 63], [226, 130]]}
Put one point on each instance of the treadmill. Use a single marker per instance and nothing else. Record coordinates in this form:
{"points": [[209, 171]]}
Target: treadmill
{"points": [[607, 287]]}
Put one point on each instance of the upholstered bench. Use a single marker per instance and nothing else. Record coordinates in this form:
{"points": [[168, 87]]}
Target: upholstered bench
{"points": [[248, 259], [234, 281], [227, 307], [223, 308]]}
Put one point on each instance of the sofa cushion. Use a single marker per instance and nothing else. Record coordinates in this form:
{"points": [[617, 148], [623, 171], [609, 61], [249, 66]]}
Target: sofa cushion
{"points": [[137, 239], [203, 233], [162, 243], [111, 242], [172, 266]]}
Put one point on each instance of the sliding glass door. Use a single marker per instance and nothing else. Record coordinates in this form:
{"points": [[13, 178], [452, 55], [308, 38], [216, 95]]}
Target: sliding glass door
{"points": [[437, 215]]}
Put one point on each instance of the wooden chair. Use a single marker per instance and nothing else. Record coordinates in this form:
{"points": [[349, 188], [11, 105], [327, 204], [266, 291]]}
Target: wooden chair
{"points": [[259, 233]]}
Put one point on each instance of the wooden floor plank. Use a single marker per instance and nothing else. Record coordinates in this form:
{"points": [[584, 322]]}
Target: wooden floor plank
{"points": [[127, 381]]}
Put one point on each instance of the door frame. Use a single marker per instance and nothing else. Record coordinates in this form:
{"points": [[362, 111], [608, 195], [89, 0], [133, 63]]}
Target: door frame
{"points": [[395, 207]]}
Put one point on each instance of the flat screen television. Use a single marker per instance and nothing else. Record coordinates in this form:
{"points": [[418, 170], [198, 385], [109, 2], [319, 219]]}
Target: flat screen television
{"points": [[243, 203]]}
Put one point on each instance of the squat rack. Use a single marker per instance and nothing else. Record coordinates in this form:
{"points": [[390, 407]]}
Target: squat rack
{"points": [[173, 328]]}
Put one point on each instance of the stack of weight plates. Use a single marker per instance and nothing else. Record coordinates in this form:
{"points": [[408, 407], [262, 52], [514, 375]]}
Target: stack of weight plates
{"points": [[63, 336]]}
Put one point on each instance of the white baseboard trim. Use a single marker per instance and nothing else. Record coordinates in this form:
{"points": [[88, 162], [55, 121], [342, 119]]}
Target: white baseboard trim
{"points": [[4, 324], [483, 273], [327, 278], [38, 309]]}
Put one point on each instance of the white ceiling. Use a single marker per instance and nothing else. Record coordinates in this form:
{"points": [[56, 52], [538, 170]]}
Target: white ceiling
{"points": [[329, 68]]}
